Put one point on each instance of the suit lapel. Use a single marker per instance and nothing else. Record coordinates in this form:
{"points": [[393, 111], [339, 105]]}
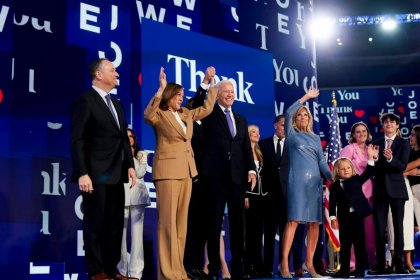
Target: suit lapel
{"points": [[271, 150], [169, 116], [105, 108], [222, 118]]}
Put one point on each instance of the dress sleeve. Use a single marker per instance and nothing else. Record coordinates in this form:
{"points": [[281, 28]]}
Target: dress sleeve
{"points": [[322, 163], [347, 152], [142, 166], [289, 117]]}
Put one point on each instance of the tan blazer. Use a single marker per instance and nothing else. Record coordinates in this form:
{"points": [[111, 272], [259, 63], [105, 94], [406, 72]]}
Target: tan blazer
{"points": [[174, 156]]}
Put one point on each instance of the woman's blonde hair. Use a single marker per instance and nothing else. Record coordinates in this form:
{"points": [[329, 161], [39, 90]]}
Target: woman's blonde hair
{"points": [[309, 127], [257, 147], [337, 164]]}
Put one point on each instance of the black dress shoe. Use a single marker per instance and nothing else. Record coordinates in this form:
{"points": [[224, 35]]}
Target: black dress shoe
{"points": [[380, 271], [341, 274], [196, 274], [400, 269], [358, 273], [268, 274]]}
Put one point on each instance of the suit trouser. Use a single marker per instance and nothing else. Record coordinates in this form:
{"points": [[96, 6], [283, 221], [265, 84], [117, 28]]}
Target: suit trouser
{"points": [[416, 202], [222, 191], [133, 267], [380, 214], [352, 232], [254, 235], [197, 228], [408, 223], [173, 197], [103, 220]]}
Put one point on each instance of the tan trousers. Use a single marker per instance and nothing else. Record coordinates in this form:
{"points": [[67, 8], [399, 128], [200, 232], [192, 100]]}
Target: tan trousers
{"points": [[173, 198]]}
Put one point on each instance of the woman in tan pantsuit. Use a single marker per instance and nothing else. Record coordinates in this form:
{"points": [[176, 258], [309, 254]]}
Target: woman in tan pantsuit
{"points": [[173, 168]]}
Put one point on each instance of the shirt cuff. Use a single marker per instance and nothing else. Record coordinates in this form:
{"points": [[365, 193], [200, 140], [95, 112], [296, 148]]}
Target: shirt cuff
{"points": [[252, 172]]}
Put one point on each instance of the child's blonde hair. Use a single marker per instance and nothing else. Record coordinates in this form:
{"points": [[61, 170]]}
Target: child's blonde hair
{"points": [[336, 167]]}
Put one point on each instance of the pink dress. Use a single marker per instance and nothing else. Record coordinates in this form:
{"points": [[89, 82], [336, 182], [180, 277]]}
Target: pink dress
{"points": [[359, 159]]}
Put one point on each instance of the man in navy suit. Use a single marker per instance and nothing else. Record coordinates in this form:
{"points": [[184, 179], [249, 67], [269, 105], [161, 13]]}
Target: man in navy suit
{"points": [[227, 165], [390, 192], [102, 162]]}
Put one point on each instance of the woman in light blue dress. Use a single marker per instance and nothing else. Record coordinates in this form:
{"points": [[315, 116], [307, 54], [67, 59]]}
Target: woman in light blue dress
{"points": [[304, 188]]}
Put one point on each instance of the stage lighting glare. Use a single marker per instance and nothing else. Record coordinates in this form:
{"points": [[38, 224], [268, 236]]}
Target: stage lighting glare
{"points": [[322, 28], [339, 43], [338, 39], [389, 24], [370, 39]]}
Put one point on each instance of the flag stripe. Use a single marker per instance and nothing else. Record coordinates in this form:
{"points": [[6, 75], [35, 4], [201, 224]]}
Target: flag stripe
{"points": [[334, 148]]}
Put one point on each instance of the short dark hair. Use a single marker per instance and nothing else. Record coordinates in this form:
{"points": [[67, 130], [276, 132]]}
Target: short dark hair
{"points": [[278, 118], [391, 117], [94, 66]]}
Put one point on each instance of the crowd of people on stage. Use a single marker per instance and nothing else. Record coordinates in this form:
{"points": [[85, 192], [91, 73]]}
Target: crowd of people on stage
{"points": [[210, 164]]}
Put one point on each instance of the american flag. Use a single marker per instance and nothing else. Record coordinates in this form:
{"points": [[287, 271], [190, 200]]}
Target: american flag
{"points": [[334, 148]]}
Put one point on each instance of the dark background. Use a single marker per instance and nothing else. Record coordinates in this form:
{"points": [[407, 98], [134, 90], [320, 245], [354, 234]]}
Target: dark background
{"points": [[391, 59]]}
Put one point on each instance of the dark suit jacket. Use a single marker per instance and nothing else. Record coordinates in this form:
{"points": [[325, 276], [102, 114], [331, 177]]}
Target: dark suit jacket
{"points": [[389, 175], [98, 146], [221, 152], [274, 175], [351, 195]]}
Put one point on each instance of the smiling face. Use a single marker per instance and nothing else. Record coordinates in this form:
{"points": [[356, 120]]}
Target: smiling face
{"points": [[302, 119], [360, 134], [390, 127], [175, 102], [254, 133], [106, 76], [415, 137], [226, 94]]}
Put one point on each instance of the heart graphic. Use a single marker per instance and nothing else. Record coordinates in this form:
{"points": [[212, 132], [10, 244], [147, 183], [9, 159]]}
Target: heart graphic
{"points": [[323, 143], [401, 109], [359, 113], [373, 119], [1, 96]]}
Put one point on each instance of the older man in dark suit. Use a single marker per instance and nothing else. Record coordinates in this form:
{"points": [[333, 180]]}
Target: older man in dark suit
{"points": [[227, 165], [102, 162], [390, 192]]}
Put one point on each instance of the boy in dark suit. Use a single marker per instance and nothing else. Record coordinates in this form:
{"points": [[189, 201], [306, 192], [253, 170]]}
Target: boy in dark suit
{"points": [[352, 207], [390, 192]]}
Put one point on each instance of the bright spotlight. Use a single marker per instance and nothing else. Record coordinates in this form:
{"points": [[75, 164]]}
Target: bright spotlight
{"points": [[322, 28], [370, 39], [389, 24]]}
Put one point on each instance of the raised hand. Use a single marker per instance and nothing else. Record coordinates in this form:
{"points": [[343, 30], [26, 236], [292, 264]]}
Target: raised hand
{"points": [[373, 151], [162, 79], [312, 92]]}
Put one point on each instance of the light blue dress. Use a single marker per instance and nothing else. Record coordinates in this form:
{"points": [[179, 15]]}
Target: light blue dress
{"points": [[306, 162]]}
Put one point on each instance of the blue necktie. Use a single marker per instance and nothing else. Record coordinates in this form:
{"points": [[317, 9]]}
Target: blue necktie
{"points": [[108, 102], [230, 122]]}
